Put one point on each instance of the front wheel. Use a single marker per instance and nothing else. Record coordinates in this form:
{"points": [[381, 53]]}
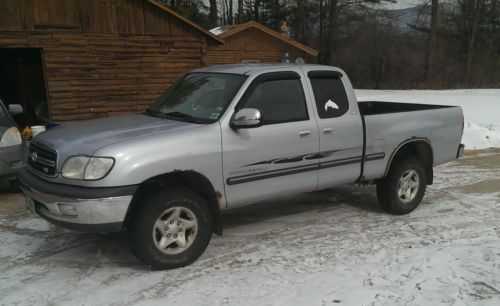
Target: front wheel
{"points": [[14, 186], [404, 187], [170, 229]]}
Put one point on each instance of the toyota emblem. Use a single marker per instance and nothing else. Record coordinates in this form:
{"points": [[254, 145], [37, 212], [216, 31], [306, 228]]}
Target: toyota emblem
{"points": [[34, 156]]}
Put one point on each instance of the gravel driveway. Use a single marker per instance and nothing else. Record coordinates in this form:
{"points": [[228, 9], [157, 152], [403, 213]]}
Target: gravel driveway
{"points": [[330, 247]]}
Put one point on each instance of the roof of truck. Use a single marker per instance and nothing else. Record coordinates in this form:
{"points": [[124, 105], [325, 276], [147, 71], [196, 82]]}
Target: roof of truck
{"points": [[249, 69]]}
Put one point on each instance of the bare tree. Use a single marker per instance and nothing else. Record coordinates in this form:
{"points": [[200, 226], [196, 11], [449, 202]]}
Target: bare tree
{"points": [[256, 9], [212, 15], [473, 11], [230, 15], [456, 44], [240, 11], [330, 37], [431, 40]]}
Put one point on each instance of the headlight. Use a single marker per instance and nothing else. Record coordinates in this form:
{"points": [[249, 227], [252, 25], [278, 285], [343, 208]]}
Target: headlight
{"points": [[98, 167], [74, 167], [87, 168], [11, 137]]}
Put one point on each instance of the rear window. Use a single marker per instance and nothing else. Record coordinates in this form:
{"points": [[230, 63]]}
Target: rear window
{"points": [[330, 96]]}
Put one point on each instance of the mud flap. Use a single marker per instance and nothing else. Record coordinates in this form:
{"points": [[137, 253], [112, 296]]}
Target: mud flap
{"points": [[461, 149]]}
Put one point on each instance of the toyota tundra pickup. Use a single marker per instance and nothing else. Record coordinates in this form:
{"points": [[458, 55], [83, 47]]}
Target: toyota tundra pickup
{"points": [[227, 136]]}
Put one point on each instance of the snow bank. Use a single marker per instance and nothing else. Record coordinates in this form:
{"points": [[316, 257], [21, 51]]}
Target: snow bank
{"points": [[481, 109]]}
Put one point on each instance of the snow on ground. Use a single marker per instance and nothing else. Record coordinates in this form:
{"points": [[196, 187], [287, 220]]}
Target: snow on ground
{"points": [[334, 247], [481, 109]]}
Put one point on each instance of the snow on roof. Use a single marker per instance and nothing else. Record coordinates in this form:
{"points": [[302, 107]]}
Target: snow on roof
{"points": [[220, 30], [216, 31]]}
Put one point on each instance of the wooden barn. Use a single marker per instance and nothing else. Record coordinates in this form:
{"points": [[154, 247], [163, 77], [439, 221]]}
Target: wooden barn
{"points": [[82, 59], [253, 42]]}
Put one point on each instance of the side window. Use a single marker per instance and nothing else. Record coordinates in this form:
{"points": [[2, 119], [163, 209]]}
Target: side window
{"points": [[279, 101], [331, 98]]}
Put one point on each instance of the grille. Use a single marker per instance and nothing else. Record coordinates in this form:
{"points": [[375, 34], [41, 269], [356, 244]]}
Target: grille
{"points": [[42, 159]]}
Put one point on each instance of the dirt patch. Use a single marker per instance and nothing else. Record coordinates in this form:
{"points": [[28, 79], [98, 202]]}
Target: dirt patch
{"points": [[485, 159], [488, 186], [11, 205], [482, 152], [488, 159]]}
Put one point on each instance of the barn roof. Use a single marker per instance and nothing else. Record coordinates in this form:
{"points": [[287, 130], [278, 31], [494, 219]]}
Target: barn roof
{"points": [[230, 30], [185, 20]]}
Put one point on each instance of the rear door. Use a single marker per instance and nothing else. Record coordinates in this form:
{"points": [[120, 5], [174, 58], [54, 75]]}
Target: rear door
{"points": [[340, 128], [271, 160]]}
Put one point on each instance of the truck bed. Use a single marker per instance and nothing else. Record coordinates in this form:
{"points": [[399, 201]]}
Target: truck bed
{"points": [[367, 108], [389, 124]]}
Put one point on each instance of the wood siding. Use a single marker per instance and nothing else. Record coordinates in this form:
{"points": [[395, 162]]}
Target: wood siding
{"points": [[102, 57], [249, 45]]}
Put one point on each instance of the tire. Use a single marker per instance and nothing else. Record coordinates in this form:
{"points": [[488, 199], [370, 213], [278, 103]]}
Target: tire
{"points": [[184, 213], [14, 186], [402, 199]]}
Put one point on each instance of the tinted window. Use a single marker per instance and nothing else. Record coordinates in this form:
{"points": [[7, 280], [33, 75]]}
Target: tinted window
{"points": [[331, 98], [279, 101]]}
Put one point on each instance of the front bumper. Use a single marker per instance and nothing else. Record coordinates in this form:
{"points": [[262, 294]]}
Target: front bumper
{"points": [[86, 211]]}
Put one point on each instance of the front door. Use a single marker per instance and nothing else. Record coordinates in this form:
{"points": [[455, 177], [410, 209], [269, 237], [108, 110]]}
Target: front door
{"points": [[340, 129], [271, 160]]}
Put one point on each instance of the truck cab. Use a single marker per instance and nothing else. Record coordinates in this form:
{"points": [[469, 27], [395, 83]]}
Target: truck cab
{"points": [[309, 136]]}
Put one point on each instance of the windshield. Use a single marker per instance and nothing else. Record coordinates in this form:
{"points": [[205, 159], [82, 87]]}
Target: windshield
{"points": [[198, 97]]}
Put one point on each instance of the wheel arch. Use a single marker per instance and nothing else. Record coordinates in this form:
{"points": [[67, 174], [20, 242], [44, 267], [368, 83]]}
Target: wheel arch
{"points": [[421, 148], [189, 179]]}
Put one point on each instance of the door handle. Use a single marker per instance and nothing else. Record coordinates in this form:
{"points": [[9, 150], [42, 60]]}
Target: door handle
{"points": [[328, 131], [305, 133]]}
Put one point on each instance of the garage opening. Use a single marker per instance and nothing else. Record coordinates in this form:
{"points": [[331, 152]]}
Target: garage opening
{"points": [[22, 81]]}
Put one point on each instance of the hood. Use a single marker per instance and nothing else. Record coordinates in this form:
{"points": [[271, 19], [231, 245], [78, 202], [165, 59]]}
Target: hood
{"points": [[88, 136]]}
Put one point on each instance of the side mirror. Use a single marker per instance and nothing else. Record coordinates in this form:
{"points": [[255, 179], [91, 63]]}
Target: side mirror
{"points": [[246, 118], [15, 109]]}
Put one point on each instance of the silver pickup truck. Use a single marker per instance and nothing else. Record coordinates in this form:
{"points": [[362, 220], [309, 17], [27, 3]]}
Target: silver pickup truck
{"points": [[227, 136]]}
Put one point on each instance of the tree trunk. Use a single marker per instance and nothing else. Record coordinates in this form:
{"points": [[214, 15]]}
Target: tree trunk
{"points": [[256, 6], [230, 13], [212, 15], [477, 7], [431, 42], [331, 32], [321, 55], [240, 11], [300, 22], [276, 15]]}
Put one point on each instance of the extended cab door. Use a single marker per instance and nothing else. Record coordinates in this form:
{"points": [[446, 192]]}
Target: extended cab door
{"points": [[340, 128], [272, 159]]}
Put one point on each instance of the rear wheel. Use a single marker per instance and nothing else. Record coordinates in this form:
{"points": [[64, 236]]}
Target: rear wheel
{"points": [[171, 229], [404, 187]]}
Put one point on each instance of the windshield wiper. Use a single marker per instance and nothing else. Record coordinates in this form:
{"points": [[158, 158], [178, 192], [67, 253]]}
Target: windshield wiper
{"points": [[182, 115], [154, 112], [170, 115]]}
